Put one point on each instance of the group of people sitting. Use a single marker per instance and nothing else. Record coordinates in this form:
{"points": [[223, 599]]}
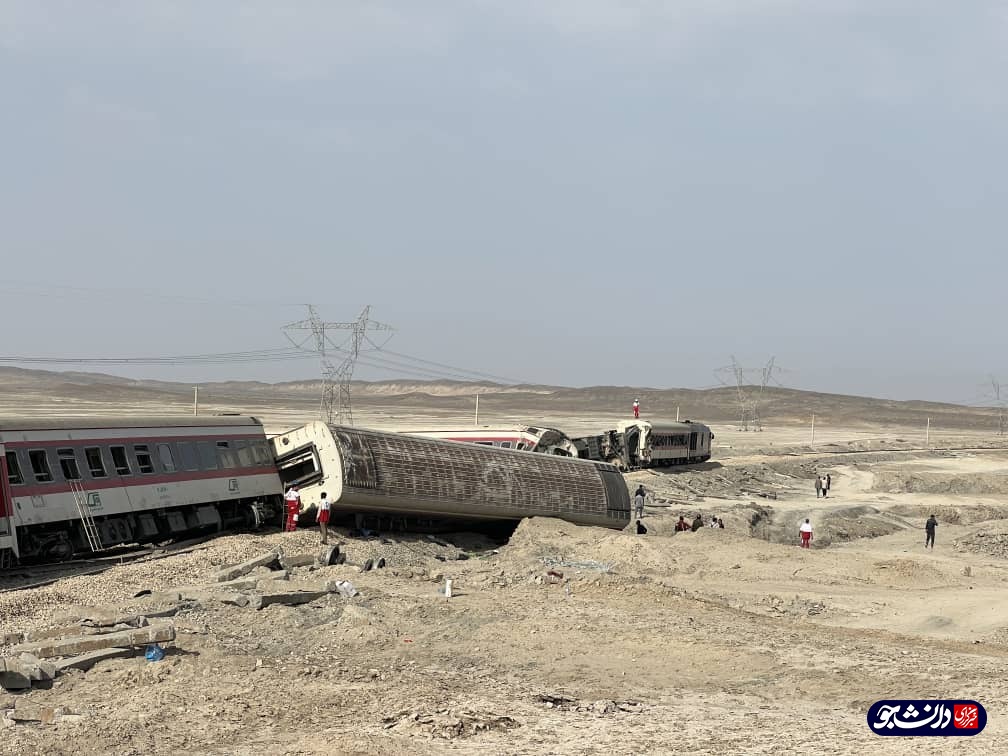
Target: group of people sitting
{"points": [[682, 526]]}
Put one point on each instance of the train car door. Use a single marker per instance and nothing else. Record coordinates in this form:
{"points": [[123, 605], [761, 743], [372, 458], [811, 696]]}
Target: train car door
{"points": [[8, 543]]}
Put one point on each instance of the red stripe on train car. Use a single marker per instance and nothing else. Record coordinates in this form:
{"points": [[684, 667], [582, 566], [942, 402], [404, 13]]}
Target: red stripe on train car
{"points": [[41, 489], [128, 440]]}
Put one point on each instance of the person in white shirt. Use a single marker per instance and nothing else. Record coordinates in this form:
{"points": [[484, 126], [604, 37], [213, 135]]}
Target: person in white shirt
{"points": [[805, 531], [638, 503], [323, 517], [293, 501]]}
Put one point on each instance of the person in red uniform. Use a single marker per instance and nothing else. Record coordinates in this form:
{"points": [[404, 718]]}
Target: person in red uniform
{"points": [[636, 407], [323, 517], [293, 501]]}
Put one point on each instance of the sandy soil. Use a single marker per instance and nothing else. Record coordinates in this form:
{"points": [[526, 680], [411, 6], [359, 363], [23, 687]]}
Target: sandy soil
{"points": [[718, 642]]}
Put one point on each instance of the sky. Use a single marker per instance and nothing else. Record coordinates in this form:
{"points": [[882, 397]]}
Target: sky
{"points": [[576, 192]]}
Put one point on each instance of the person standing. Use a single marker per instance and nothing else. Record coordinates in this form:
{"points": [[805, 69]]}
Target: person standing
{"points": [[818, 486], [293, 501], [929, 527], [636, 407], [697, 523], [805, 531], [638, 503], [829, 482], [323, 517]]}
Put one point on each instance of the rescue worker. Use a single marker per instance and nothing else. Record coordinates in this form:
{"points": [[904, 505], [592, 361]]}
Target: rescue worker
{"points": [[323, 517], [293, 501], [806, 534], [636, 407]]}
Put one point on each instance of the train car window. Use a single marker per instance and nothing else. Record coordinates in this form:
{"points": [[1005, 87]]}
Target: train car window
{"points": [[95, 462], [144, 462], [485, 443], [208, 455], [505, 444], [244, 453], [190, 458], [40, 465], [226, 456], [166, 457], [68, 464], [261, 450], [119, 460], [13, 469]]}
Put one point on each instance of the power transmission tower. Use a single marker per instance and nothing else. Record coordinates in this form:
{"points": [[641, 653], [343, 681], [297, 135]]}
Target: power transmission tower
{"points": [[335, 406], [745, 404], [996, 386], [749, 404]]}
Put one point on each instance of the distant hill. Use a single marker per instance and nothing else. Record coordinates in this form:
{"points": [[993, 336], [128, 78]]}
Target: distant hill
{"points": [[718, 405]]}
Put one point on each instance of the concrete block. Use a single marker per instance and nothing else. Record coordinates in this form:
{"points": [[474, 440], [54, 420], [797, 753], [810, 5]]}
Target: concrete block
{"points": [[290, 598], [263, 560], [160, 632], [241, 584], [84, 662], [126, 620], [27, 711], [289, 562]]}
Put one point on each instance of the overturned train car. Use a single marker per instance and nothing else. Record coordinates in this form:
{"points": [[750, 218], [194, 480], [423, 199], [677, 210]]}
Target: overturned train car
{"points": [[366, 471]]}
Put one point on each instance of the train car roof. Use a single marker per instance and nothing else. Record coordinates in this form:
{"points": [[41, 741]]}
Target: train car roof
{"points": [[140, 421]]}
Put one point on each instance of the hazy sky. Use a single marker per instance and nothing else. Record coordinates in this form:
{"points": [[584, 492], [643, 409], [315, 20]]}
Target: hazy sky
{"points": [[577, 192]]}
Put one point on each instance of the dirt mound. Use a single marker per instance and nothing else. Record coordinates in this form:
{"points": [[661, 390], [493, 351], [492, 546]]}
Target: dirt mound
{"points": [[954, 515], [561, 545], [980, 484], [908, 571], [991, 543]]}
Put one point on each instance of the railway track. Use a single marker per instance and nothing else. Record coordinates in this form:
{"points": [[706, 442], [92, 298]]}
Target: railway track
{"points": [[39, 575]]}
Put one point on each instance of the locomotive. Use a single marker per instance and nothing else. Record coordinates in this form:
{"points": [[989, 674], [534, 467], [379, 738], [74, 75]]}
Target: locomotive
{"points": [[638, 443]]}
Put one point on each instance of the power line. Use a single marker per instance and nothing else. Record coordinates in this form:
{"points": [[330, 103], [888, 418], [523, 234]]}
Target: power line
{"points": [[335, 405]]}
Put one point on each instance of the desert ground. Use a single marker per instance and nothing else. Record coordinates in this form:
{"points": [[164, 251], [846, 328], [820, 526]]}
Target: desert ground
{"points": [[722, 641]]}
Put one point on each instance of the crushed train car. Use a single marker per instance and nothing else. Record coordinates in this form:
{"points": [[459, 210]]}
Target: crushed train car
{"points": [[367, 471]]}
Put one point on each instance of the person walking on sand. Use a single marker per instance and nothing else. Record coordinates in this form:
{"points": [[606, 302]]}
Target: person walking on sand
{"points": [[638, 503], [818, 486], [292, 499], [323, 517], [636, 407], [929, 527], [805, 531]]}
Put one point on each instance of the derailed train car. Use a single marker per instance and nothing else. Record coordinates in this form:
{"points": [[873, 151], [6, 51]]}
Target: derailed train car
{"points": [[72, 485], [389, 473]]}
